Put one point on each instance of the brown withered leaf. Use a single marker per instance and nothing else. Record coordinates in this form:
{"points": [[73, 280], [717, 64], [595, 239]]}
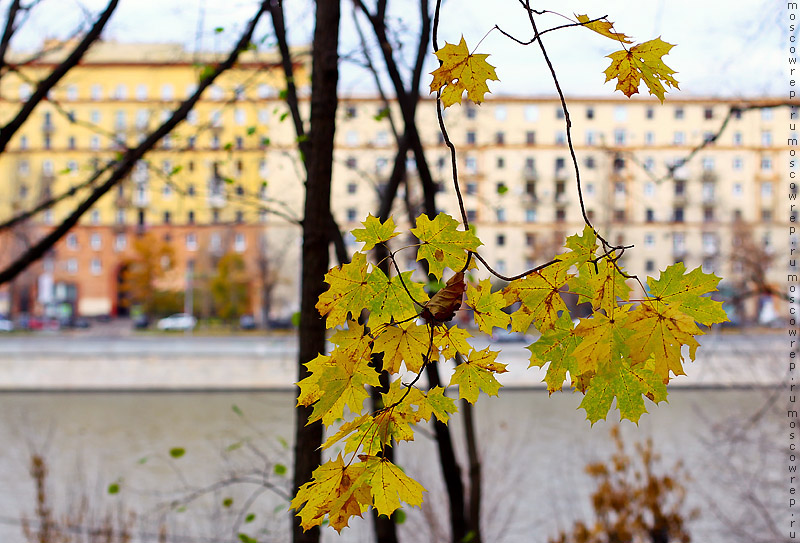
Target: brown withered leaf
{"points": [[444, 304]]}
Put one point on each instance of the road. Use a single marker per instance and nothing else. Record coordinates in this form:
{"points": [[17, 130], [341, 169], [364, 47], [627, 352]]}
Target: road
{"points": [[93, 361]]}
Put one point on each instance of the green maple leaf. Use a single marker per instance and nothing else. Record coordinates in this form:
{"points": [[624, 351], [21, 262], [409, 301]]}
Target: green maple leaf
{"points": [[582, 248], [407, 342], [603, 341], [539, 296], [451, 340], [339, 380], [600, 285], [348, 292], [388, 299], [442, 245], [628, 384], [684, 291], [437, 404], [375, 232], [476, 374], [389, 485], [556, 347], [660, 333], [487, 306]]}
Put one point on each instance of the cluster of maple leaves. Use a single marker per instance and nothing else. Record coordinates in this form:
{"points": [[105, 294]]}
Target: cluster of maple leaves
{"points": [[627, 350]]}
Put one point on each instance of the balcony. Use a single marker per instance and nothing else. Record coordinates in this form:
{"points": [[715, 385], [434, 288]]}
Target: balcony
{"points": [[709, 176], [530, 174]]}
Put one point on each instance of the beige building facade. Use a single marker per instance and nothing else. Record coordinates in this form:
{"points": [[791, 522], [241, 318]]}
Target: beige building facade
{"points": [[229, 178]]}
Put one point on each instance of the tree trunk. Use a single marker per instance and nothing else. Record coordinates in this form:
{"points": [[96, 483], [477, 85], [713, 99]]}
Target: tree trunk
{"points": [[316, 221]]}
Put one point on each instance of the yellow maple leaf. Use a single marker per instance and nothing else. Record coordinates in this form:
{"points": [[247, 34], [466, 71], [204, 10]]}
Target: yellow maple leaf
{"points": [[408, 342], [604, 28], [389, 485], [642, 62], [461, 71], [487, 306]]}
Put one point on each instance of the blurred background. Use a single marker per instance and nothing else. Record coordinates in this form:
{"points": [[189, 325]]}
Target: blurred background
{"points": [[151, 238]]}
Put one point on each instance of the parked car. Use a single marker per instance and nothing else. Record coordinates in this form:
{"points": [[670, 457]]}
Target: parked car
{"points": [[140, 322], [6, 325], [247, 322], [178, 321], [505, 336]]}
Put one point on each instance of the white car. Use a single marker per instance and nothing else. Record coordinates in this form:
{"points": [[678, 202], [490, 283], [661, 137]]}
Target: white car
{"points": [[178, 321], [6, 325]]}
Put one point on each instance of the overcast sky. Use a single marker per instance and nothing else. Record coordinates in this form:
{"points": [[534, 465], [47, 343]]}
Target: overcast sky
{"points": [[724, 48]]}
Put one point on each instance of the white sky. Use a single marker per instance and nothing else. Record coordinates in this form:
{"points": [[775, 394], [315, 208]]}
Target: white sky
{"points": [[724, 48]]}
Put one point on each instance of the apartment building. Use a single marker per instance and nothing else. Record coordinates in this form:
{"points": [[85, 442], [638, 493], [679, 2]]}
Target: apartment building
{"points": [[229, 179]]}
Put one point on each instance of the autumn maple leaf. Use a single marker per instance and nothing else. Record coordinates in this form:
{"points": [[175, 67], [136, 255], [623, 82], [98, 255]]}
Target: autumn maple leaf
{"points": [[461, 71], [642, 62]]}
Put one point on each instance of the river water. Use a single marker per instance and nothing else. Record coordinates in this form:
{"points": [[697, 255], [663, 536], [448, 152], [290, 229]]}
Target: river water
{"points": [[533, 450]]}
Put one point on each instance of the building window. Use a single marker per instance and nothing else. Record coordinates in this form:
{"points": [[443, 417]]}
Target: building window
{"points": [[96, 266], [737, 138], [649, 138], [530, 215], [561, 138], [708, 164], [94, 143], [649, 215], [619, 215], [471, 112], [239, 216], [95, 92], [471, 165], [351, 112], [501, 214], [619, 136], [471, 188], [649, 241], [120, 92], [530, 137], [708, 214], [590, 112], [679, 138], [191, 241], [501, 240], [767, 114], [649, 266], [352, 188], [679, 113], [72, 241], [766, 163], [167, 217], [559, 112], [96, 241], [120, 242], [351, 214], [531, 113], [72, 266], [472, 215], [190, 217], [351, 162], [680, 188], [677, 214], [500, 113], [500, 138], [167, 92], [766, 138], [649, 113], [738, 163], [766, 190], [708, 113], [561, 215], [470, 137], [590, 137], [620, 114], [766, 215]]}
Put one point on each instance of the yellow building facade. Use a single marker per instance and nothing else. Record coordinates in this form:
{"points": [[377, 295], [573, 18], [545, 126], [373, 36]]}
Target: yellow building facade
{"points": [[229, 178]]}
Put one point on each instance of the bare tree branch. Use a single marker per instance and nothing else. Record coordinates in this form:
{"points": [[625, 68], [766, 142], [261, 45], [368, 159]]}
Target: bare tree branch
{"points": [[55, 76], [129, 159]]}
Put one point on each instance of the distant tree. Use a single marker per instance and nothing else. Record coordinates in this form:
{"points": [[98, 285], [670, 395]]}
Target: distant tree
{"points": [[632, 501], [144, 276], [230, 287]]}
